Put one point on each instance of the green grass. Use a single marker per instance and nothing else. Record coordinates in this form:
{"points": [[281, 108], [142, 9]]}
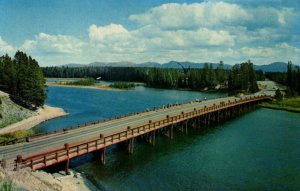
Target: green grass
{"points": [[288, 104], [15, 135], [82, 82], [122, 85], [7, 186]]}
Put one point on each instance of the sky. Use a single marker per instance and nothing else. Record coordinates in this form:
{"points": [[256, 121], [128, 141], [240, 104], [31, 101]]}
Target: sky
{"points": [[57, 32]]}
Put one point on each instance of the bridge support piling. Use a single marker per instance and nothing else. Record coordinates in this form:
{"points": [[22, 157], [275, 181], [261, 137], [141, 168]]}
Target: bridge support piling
{"points": [[152, 138], [103, 156], [67, 170], [185, 127], [169, 132], [130, 146], [68, 160], [198, 122]]}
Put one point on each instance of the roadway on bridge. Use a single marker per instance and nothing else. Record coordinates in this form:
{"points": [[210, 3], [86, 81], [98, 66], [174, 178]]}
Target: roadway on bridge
{"points": [[10, 152]]}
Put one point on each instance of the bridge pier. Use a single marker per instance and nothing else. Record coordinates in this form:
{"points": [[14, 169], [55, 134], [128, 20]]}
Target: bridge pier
{"points": [[183, 127], [152, 138], [198, 122], [103, 156], [68, 159], [67, 170], [169, 132], [130, 146]]}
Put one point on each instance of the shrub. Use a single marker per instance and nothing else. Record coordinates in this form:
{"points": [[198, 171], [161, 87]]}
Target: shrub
{"points": [[7, 186], [83, 82], [122, 85], [278, 95]]}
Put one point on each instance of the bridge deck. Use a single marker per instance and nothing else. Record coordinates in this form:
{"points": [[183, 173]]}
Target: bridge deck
{"points": [[111, 127]]}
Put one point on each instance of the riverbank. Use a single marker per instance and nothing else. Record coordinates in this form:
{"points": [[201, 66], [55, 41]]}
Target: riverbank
{"points": [[288, 104], [16, 118], [43, 114], [40, 180]]}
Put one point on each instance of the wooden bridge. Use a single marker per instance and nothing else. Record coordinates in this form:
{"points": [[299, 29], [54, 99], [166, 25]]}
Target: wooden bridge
{"points": [[48, 150]]}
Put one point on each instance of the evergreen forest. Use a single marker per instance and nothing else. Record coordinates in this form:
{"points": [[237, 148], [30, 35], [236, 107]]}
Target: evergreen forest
{"points": [[242, 77], [23, 79]]}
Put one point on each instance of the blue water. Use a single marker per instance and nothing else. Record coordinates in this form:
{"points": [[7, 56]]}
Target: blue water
{"points": [[259, 150], [88, 105]]}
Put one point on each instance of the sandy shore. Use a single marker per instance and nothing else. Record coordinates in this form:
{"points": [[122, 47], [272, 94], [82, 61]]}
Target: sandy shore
{"points": [[43, 114]]}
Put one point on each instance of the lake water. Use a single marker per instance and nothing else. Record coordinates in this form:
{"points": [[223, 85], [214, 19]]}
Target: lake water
{"points": [[259, 150]]}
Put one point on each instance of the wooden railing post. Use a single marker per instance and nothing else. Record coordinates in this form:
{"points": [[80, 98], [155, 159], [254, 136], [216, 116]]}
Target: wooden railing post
{"points": [[19, 162], [3, 163]]}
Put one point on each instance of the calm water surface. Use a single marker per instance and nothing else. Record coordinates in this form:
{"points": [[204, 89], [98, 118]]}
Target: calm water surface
{"points": [[259, 150], [87, 105]]}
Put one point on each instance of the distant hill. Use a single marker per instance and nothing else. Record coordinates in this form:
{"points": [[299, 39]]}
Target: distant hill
{"points": [[74, 65], [273, 67], [171, 64], [175, 64], [112, 64]]}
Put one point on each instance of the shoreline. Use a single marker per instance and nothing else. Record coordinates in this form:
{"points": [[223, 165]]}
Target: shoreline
{"points": [[282, 108], [43, 114]]}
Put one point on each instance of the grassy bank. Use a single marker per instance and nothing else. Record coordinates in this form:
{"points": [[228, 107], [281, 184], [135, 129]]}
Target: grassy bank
{"points": [[12, 113], [288, 104], [82, 82], [122, 85], [15, 135]]}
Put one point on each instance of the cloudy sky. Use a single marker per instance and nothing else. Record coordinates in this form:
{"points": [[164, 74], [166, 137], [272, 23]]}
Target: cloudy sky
{"points": [[58, 32]]}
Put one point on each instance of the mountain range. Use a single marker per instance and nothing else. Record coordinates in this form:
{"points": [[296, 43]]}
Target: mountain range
{"points": [[273, 67]]}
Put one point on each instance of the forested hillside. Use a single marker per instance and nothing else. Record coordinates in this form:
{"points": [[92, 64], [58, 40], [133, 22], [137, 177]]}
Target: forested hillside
{"points": [[23, 79]]}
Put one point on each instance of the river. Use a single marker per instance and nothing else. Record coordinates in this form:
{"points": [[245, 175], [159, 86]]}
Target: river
{"points": [[258, 150]]}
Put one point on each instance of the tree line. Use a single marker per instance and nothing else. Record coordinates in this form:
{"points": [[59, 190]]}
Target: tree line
{"points": [[291, 79], [23, 79], [242, 77]]}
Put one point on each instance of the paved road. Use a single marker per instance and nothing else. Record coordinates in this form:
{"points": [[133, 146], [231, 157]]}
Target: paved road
{"points": [[269, 87], [72, 136]]}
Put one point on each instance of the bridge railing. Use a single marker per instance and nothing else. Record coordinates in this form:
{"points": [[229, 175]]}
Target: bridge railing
{"points": [[69, 151]]}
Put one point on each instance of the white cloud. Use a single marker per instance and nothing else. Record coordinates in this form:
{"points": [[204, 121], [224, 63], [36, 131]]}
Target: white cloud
{"points": [[29, 45], [201, 32], [58, 43], [5, 48], [102, 32], [189, 16]]}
